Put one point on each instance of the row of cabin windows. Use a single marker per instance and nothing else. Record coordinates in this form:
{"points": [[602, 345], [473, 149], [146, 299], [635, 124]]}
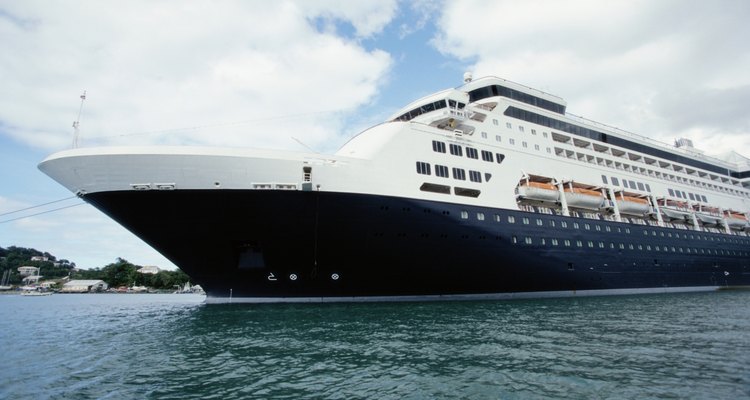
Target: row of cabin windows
{"points": [[629, 246], [423, 168], [578, 130], [520, 129], [697, 237], [695, 197], [607, 228], [628, 184], [512, 141], [582, 157], [457, 150], [682, 195]]}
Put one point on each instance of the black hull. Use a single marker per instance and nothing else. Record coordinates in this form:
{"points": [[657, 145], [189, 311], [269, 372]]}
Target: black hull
{"points": [[267, 245]]}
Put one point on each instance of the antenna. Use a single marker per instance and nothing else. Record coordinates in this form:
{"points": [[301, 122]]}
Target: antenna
{"points": [[306, 146], [78, 121]]}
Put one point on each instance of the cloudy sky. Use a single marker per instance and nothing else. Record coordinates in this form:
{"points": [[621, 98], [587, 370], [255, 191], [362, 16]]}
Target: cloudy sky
{"points": [[273, 74]]}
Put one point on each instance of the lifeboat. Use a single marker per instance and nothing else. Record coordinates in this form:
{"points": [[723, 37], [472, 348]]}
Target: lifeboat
{"points": [[578, 197], [632, 205], [675, 211], [538, 191], [709, 216], [735, 220]]}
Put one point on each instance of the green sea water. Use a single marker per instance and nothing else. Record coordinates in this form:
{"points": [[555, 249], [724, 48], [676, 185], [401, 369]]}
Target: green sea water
{"points": [[110, 346]]}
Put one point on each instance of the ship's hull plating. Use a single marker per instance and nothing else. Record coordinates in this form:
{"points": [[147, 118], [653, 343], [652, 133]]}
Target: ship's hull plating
{"points": [[256, 245]]}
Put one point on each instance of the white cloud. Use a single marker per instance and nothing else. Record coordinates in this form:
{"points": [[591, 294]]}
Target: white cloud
{"points": [[242, 73], [150, 67], [661, 69]]}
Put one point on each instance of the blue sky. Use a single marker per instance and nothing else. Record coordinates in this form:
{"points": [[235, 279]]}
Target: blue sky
{"points": [[228, 73]]}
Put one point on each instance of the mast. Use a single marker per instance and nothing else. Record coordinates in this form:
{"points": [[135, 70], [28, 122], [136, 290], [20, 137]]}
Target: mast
{"points": [[77, 121]]}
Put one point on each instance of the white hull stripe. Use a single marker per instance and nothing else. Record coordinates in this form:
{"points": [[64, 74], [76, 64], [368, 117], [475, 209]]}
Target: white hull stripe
{"points": [[460, 297]]}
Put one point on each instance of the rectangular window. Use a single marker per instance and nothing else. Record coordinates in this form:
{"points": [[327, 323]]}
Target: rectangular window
{"points": [[472, 153], [512, 141], [625, 183], [691, 196], [459, 173], [615, 181], [564, 224], [539, 222], [459, 191], [520, 128], [641, 187], [524, 144], [671, 192], [423, 168], [704, 199], [544, 134], [632, 184], [438, 146], [511, 219], [536, 147], [441, 171], [494, 121], [648, 188], [464, 215], [498, 138], [566, 242], [475, 176], [484, 135], [431, 187], [487, 156], [456, 150], [528, 240], [554, 242], [508, 125], [533, 131], [604, 179], [480, 216], [525, 220]]}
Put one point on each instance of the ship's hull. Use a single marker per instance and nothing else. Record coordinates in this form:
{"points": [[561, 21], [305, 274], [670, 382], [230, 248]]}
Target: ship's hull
{"points": [[279, 245]]}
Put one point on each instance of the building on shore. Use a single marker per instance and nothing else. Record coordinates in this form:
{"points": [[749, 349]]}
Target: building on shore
{"points": [[149, 269], [84, 286]]}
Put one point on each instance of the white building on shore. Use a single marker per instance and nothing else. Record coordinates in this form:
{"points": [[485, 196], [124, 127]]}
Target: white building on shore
{"points": [[149, 269], [84, 286]]}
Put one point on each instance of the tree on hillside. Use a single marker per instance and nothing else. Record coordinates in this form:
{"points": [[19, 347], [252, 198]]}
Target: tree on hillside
{"points": [[120, 273]]}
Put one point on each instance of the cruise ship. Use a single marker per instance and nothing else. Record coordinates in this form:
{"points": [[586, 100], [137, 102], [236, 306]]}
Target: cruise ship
{"points": [[489, 190]]}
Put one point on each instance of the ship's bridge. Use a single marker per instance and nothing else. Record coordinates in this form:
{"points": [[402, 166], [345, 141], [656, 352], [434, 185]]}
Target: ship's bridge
{"points": [[497, 87], [448, 102]]}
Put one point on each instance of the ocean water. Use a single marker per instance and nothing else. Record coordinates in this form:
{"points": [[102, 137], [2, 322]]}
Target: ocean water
{"points": [[110, 346]]}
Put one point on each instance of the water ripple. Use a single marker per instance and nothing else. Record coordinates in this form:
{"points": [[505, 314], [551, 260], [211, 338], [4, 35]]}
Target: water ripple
{"points": [[174, 347]]}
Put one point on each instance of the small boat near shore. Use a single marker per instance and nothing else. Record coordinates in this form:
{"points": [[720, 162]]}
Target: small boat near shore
{"points": [[35, 293]]}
